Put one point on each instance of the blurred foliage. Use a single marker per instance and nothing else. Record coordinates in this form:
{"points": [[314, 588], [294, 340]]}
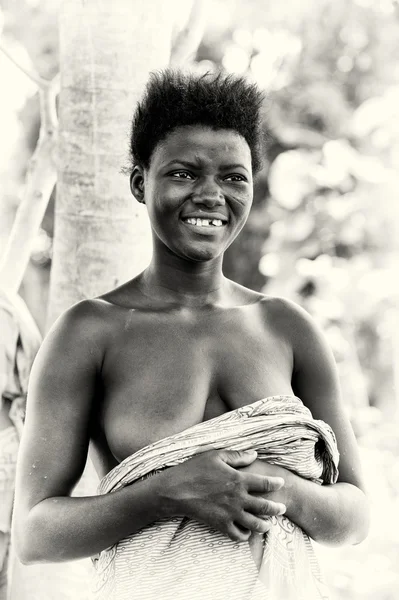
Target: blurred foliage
{"points": [[325, 221]]}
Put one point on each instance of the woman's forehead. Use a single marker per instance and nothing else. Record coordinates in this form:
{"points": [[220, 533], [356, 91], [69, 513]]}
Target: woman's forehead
{"points": [[201, 144]]}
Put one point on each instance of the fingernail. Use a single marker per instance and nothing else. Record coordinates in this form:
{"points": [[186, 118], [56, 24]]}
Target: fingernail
{"points": [[283, 509]]}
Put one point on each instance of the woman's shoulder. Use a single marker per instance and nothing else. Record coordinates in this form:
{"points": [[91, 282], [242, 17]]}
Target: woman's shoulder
{"points": [[284, 316], [275, 306], [289, 317]]}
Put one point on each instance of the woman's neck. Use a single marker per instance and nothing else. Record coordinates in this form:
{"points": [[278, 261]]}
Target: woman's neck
{"points": [[189, 283]]}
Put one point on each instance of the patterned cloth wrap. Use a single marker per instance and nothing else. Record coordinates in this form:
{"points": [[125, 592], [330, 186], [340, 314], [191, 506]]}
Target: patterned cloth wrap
{"points": [[179, 558]]}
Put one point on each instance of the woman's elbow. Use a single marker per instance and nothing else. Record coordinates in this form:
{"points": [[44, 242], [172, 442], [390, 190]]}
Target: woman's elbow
{"points": [[363, 528], [336, 537], [28, 541], [25, 550], [26, 558], [30, 553], [361, 518], [348, 528]]}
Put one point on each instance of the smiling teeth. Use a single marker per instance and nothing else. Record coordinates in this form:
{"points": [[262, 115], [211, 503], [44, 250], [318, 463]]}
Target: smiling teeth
{"points": [[204, 222]]}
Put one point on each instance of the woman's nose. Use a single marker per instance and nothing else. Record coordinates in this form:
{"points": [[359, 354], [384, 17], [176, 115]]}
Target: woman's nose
{"points": [[209, 194]]}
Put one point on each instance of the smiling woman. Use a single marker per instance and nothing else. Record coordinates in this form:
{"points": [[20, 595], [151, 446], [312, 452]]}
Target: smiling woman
{"points": [[208, 179], [182, 374]]}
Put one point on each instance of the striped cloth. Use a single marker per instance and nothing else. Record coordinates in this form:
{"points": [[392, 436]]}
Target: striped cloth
{"points": [[179, 558]]}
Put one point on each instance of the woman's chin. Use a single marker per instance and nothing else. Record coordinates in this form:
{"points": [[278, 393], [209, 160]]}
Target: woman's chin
{"points": [[200, 254]]}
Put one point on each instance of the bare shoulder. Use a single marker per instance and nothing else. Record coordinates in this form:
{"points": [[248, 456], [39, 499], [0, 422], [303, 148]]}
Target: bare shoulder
{"points": [[314, 375], [293, 321], [286, 318], [283, 307], [78, 337], [86, 320]]}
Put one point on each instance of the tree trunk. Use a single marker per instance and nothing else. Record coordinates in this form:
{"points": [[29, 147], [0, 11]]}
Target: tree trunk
{"points": [[102, 236], [101, 233]]}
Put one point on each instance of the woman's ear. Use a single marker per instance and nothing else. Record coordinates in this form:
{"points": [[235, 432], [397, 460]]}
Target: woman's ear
{"points": [[137, 184]]}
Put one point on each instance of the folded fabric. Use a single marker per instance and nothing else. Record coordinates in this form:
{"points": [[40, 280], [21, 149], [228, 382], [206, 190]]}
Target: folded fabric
{"points": [[180, 558]]}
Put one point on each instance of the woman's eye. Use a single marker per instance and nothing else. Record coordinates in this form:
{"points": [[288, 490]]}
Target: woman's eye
{"points": [[236, 178], [181, 175]]}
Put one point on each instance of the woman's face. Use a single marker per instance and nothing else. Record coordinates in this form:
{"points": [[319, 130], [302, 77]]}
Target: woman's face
{"points": [[198, 190]]}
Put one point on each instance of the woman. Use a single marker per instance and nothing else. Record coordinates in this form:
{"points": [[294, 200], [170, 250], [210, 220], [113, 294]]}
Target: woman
{"points": [[178, 346]]}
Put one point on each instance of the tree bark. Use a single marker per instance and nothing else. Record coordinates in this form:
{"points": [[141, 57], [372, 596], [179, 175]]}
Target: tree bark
{"points": [[102, 236]]}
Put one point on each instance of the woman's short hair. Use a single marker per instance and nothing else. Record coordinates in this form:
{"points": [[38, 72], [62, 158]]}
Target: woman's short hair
{"points": [[174, 99]]}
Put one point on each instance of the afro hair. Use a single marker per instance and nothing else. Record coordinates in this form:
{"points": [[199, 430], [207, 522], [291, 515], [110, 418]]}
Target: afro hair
{"points": [[174, 99]]}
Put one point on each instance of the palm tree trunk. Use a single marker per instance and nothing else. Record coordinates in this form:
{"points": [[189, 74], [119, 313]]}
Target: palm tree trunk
{"points": [[101, 234]]}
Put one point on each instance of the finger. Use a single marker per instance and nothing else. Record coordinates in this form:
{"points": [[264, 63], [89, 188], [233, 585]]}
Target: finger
{"points": [[238, 533], [250, 522], [238, 458], [263, 507], [262, 484]]}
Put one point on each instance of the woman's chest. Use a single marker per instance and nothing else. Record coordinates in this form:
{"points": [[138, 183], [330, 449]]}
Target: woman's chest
{"points": [[172, 374]]}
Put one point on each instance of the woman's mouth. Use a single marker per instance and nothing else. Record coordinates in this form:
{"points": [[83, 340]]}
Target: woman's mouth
{"points": [[204, 223]]}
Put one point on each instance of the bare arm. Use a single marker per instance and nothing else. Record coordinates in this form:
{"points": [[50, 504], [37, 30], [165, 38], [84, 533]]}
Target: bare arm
{"points": [[51, 526], [330, 514], [333, 515]]}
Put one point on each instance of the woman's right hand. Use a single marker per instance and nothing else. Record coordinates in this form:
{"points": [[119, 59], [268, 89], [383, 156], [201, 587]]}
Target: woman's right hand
{"points": [[211, 489]]}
